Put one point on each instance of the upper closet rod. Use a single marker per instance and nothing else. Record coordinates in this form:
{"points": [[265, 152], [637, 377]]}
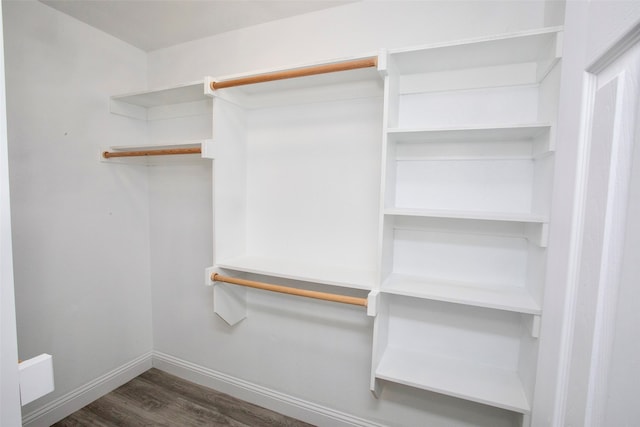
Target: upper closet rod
{"points": [[160, 152], [300, 72], [215, 277]]}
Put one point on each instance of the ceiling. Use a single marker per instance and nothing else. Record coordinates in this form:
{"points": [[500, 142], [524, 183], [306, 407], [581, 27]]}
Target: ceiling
{"points": [[155, 24]]}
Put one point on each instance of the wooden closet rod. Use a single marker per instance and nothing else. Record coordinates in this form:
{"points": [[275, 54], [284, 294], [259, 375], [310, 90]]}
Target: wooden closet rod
{"points": [[160, 152], [300, 72], [291, 291]]}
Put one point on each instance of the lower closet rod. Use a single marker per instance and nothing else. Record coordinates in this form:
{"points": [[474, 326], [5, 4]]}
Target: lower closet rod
{"points": [[160, 152], [291, 291]]}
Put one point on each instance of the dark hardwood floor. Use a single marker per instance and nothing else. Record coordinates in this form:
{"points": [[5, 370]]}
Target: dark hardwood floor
{"points": [[156, 398]]}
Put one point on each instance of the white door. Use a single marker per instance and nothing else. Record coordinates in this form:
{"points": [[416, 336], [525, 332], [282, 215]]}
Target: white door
{"points": [[604, 369], [9, 388]]}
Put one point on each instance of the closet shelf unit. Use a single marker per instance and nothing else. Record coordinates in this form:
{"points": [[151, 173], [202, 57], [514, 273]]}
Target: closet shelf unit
{"points": [[509, 298], [443, 215], [468, 154], [177, 118], [296, 173], [458, 378], [333, 275], [143, 104]]}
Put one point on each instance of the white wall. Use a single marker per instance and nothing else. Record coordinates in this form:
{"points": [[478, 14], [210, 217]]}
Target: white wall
{"points": [[608, 20], [315, 351], [80, 227], [357, 28], [10, 414]]}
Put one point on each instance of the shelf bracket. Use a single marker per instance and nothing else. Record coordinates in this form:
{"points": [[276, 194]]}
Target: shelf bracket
{"points": [[229, 302], [383, 62], [376, 387], [208, 149], [538, 234], [208, 81], [372, 303], [533, 323]]}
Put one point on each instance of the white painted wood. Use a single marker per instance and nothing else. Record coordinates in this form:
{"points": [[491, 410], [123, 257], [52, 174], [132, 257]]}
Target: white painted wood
{"points": [[463, 379], [188, 92], [380, 343], [470, 134], [617, 225], [471, 258], [522, 47], [619, 406], [159, 146], [533, 323], [591, 267], [230, 302], [482, 107], [313, 183], [36, 378], [467, 352], [229, 181], [317, 272], [510, 298], [186, 109], [373, 301], [208, 149], [458, 185], [165, 103], [529, 349], [538, 233], [177, 117], [467, 214], [306, 196], [613, 120], [469, 158], [468, 78], [475, 169]]}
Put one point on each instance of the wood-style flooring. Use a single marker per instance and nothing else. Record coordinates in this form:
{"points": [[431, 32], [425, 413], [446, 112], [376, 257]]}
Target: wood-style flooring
{"points": [[156, 398]]}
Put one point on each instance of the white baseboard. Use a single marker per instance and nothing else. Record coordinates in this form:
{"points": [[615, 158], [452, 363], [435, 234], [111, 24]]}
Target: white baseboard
{"points": [[67, 404], [285, 404]]}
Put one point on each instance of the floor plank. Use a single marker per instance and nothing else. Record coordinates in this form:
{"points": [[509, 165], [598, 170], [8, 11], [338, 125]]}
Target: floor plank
{"points": [[157, 398]]}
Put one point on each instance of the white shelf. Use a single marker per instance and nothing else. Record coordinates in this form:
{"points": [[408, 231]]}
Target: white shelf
{"points": [[342, 85], [161, 145], [307, 272], [166, 103], [458, 378], [472, 134], [189, 92], [537, 46], [509, 298], [155, 160], [475, 215]]}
